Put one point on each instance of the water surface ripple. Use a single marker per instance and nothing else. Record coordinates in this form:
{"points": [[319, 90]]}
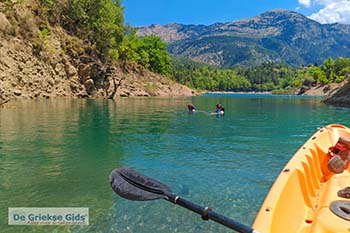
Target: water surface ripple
{"points": [[59, 153]]}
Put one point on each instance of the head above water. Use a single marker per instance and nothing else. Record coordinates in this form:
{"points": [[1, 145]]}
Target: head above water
{"points": [[218, 106], [191, 107]]}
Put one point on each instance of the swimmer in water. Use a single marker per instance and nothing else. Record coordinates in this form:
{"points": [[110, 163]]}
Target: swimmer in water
{"points": [[220, 109], [191, 108]]}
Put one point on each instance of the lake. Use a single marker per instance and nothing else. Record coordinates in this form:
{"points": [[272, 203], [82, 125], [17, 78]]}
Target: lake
{"points": [[59, 153]]}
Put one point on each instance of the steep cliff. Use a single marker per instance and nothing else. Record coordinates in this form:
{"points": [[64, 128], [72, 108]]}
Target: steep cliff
{"points": [[340, 97], [45, 62]]}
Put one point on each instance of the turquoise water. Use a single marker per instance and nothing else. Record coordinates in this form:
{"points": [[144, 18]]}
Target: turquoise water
{"points": [[59, 153]]}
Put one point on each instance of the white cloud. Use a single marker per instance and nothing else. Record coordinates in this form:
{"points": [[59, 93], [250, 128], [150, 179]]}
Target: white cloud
{"points": [[333, 11], [305, 3], [329, 11]]}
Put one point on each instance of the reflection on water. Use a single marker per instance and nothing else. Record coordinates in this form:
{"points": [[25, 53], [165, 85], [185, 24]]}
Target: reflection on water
{"points": [[59, 153]]}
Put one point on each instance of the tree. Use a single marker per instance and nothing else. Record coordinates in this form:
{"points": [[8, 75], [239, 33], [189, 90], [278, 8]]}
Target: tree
{"points": [[129, 48], [159, 59], [342, 67], [328, 68], [150, 52], [99, 21], [317, 74]]}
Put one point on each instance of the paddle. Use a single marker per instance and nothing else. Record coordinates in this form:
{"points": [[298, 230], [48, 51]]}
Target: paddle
{"points": [[133, 185]]}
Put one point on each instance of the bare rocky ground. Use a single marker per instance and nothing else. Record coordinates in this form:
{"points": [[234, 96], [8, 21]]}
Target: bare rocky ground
{"points": [[60, 65], [23, 75], [337, 94], [340, 96], [325, 90]]}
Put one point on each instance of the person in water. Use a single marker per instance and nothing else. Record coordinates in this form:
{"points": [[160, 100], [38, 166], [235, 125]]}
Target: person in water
{"points": [[191, 108], [220, 109]]}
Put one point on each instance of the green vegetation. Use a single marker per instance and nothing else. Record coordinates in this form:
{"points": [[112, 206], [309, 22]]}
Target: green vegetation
{"points": [[149, 52], [96, 29], [201, 76], [101, 22], [278, 78]]}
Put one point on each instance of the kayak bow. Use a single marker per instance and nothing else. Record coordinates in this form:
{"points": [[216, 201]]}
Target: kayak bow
{"points": [[304, 197]]}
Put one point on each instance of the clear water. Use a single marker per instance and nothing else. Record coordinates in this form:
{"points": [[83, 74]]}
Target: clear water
{"points": [[59, 153]]}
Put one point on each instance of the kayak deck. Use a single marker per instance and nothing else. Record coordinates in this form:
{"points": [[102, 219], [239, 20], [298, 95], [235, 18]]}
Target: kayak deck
{"points": [[300, 198]]}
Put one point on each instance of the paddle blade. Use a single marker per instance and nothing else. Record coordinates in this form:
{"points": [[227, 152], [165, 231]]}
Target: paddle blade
{"points": [[133, 185]]}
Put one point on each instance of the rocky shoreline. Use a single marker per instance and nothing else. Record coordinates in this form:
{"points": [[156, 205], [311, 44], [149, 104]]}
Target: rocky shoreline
{"points": [[24, 76], [60, 69], [341, 97], [62, 65], [56, 64]]}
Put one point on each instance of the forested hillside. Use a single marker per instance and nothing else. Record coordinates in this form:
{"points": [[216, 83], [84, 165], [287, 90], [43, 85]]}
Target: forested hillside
{"points": [[279, 51], [78, 48], [268, 76]]}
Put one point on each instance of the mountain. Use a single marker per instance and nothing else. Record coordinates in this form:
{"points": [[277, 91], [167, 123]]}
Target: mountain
{"points": [[276, 35]]}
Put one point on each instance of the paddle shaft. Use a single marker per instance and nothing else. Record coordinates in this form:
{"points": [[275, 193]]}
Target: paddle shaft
{"points": [[209, 214], [133, 185]]}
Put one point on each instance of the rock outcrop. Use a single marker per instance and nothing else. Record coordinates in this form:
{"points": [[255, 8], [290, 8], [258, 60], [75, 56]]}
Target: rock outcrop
{"points": [[341, 97], [57, 64]]}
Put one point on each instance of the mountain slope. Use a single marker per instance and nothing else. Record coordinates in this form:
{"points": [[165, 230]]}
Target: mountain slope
{"points": [[277, 35], [41, 59]]}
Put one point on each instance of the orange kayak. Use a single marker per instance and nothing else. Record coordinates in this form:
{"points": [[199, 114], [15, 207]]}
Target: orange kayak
{"points": [[312, 192]]}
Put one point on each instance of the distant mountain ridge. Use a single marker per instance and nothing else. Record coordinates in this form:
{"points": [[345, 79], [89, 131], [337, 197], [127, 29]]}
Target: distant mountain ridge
{"points": [[276, 35]]}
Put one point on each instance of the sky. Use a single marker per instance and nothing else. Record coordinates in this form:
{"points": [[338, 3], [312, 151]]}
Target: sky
{"points": [[147, 12]]}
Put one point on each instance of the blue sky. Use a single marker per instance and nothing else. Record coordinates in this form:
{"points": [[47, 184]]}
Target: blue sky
{"points": [[147, 12]]}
